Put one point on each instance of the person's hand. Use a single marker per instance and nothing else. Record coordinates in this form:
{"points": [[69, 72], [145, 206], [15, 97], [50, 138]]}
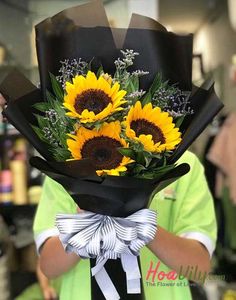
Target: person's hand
{"points": [[79, 210], [49, 293], [2, 102], [2, 106]]}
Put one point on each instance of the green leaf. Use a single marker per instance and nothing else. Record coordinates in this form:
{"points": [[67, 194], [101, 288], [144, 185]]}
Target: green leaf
{"points": [[179, 121], [156, 155], [163, 169], [42, 121], [156, 83], [41, 106], [138, 169], [61, 154], [147, 160], [145, 176], [57, 88], [134, 81], [147, 98], [127, 152], [97, 125], [137, 147], [132, 84], [59, 109], [100, 71], [50, 99], [140, 158], [38, 131], [90, 64]]}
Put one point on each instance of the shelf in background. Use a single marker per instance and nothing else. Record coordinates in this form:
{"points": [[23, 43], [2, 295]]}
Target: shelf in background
{"points": [[10, 212], [17, 208]]}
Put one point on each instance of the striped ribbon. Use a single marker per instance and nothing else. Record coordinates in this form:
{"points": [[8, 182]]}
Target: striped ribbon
{"points": [[91, 235]]}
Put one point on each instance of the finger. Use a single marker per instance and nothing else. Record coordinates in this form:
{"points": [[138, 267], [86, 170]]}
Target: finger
{"points": [[46, 295], [49, 294], [53, 294], [79, 210], [2, 102]]}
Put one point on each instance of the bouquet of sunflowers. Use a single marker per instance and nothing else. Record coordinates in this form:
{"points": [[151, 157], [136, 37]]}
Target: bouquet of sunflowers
{"points": [[110, 124], [121, 129]]}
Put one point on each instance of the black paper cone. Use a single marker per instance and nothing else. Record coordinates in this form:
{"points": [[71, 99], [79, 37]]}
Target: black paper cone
{"points": [[114, 196]]}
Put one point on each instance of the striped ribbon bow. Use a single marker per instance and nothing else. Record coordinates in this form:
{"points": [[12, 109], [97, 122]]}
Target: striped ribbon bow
{"points": [[91, 235]]}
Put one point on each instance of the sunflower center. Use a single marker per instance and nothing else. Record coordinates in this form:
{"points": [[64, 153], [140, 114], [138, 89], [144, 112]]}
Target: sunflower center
{"points": [[93, 100], [142, 126], [102, 151]]}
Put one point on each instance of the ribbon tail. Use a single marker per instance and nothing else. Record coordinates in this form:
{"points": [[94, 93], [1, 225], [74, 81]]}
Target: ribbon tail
{"points": [[106, 286], [131, 268]]}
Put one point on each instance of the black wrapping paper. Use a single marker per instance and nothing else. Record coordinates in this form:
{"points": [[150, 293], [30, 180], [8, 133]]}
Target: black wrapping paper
{"points": [[78, 33], [114, 196]]}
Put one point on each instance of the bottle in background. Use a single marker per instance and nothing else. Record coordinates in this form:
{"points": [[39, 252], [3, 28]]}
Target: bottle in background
{"points": [[35, 181], [5, 173], [18, 168]]}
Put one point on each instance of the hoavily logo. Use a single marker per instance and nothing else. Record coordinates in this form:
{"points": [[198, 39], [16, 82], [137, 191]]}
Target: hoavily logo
{"points": [[154, 273]]}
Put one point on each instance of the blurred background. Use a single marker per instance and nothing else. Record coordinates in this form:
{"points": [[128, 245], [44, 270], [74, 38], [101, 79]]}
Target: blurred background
{"points": [[213, 23]]}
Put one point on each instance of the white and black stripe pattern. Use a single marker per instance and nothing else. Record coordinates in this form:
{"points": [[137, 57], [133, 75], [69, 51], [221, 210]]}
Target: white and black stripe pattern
{"points": [[91, 235]]}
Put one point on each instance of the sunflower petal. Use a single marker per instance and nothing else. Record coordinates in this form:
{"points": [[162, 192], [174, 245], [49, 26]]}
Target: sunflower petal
{"points": [[160, 131]]}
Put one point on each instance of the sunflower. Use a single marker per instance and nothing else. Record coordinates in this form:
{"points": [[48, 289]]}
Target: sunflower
{"points": [[90, 99], [152, 128], [101, 148]]}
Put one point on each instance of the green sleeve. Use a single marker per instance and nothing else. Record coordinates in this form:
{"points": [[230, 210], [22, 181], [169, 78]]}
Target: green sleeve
{"points": [[195, 214], [54, 200]]}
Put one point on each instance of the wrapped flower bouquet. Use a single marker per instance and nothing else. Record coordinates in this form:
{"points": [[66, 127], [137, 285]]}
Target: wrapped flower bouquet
{"points": [[114, 112]]}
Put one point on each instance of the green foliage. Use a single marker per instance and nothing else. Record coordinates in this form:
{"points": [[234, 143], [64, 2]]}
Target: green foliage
{"points": [[61, 154], [57, 88], [156, 84], [128, 152], [132, 84], [42, 106], [150, 165], [100, 71], [53, 124], [146, 164], [159, 92], [179, 121], [39, 134], [89, 66], [156, 173], [147, 98]]}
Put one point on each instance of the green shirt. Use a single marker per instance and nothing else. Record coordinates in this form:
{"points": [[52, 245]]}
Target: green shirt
{"points": [[184, 208]]}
